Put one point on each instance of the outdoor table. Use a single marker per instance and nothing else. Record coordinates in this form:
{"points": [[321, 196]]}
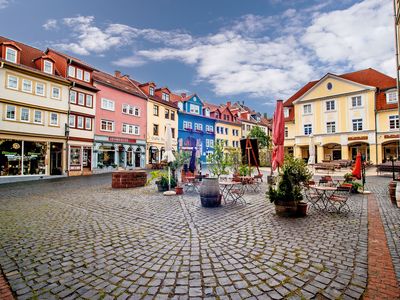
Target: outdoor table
{"points": [[226, 187], [324, 193], [191, 180]]}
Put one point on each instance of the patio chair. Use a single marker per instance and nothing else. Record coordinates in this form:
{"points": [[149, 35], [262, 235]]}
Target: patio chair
{"points": [[313, 197], [237, 194], [338, 200], [327, 181], [191, 186]]}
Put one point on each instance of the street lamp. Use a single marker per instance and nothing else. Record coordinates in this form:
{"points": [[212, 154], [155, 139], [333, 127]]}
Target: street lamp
{"points": [[392, 159]]}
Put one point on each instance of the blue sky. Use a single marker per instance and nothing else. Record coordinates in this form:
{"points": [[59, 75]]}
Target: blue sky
{"points": [[255, 51]]}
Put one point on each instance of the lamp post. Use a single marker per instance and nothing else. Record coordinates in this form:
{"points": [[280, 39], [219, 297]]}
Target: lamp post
{"points": [[392, 160]]}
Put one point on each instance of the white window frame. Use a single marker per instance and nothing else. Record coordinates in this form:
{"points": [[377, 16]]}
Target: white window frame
{"points": [[390, 96], [357, 123], [358, 103], [187, 125], [107, 104], [107, 122], [328, 105], [198, 126], [91, 100], [286, 112], [331, 127], [73, 119], [86, 76], [23, 85], [81, 96], [78, 118], [151, 91], [15, 112], [59, 92], [79, 74], [15, 52], [194, 109], [165, 96], [44, 88], [307, 111], [71, 71], [211, 143], [58, 119], [45, 67], [394, 120], [75, 97], [8, 81], [307, 129], [207, 143], [130, 129], [34, 116], [20, 114], [286, 132]]}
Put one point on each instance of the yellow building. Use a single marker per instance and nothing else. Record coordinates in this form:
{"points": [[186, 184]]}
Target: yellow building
{"points": [[34, 113], [344, 114], [160, 112]]}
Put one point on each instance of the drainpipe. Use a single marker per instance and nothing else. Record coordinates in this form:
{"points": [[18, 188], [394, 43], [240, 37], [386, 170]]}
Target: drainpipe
{"points": [[67, 135], [2, 65], [376, 129]]}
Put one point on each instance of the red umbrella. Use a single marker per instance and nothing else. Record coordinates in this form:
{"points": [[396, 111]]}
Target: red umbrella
{"points": [[278, 135], [357, 167]]}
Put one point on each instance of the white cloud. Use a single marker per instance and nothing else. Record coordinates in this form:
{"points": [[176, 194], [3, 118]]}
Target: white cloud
{"points": [[4, 3], [50, 24]]}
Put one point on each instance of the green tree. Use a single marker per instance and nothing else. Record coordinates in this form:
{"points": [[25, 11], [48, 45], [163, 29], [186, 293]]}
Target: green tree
{"points": [[218, 161], [264, 141]]}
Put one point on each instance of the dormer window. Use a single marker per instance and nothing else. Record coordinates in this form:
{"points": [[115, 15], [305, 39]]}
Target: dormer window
{"points": [[11, 55], [286, 112], [207, 112], [48, 67], [71, 71], [165, 96], [79, 74], [86, 76], [151, 91]]}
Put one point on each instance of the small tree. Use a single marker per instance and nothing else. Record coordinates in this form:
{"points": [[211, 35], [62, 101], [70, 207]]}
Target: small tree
{"points": [[219, 162], [264, 140]]}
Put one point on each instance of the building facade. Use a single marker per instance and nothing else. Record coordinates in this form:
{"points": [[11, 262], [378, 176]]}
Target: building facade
{"points": [[160, 112], [120, 125], [196, 128], [82, 109], [34, 112], [344, 114]]}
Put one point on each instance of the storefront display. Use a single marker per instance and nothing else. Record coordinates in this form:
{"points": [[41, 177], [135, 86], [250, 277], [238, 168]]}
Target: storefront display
{"points": [[106, 156], [75, 159]]}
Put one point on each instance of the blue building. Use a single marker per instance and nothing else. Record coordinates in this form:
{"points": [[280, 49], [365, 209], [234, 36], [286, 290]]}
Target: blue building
{"points": [[195, 126]]}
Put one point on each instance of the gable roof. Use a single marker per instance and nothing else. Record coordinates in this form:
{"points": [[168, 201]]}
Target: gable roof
{"points": [[69, 57]]}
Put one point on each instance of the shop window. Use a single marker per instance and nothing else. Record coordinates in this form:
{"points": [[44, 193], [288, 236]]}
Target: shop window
{"points": [[106, 156], [34, 158], [10, 157], [75, 158]]}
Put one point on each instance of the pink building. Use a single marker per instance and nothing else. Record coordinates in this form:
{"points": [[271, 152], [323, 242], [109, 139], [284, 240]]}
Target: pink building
{"points": [[120, 125]]}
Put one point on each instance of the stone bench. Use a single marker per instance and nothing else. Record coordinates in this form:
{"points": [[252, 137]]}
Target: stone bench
{"points": [[128, 179]]}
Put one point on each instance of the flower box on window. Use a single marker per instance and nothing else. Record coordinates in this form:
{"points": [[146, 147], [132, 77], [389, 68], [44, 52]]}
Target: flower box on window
{"points": [[188, 129]]}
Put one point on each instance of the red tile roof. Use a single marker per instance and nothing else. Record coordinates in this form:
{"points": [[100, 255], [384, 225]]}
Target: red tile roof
{"points": [[118, 83], [74, 59]]}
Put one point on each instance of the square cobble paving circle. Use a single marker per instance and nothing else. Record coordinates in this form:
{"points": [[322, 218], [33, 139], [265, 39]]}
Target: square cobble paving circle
{"points": [[95, 242]]}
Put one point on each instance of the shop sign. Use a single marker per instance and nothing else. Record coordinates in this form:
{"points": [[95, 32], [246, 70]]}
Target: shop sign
{"points": [[358, 138], [391, 136], [9, 153], [121, 140], [75, 168]]}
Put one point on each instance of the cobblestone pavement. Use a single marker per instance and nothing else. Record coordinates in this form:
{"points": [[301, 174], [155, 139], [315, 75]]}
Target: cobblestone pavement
{"points": [[390, 215], [78, 238]]}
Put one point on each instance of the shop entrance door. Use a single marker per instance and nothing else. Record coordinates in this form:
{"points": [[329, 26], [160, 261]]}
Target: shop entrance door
{"points": [[337, 154], [87, 159], [56, 158], [137, 159]]}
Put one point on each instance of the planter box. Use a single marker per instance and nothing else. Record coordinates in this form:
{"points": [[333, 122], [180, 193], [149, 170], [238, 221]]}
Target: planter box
{"points": [[128, 179]]}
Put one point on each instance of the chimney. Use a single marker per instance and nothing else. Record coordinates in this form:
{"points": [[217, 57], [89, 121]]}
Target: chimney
{"points": [[266, 115], [228, 103], [183, 95], [117, 74]]}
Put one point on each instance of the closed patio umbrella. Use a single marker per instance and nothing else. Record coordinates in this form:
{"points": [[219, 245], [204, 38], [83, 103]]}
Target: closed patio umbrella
{"points": [[311, 150], [168, 154], [357, 167], [278, 136], [192, 164]]}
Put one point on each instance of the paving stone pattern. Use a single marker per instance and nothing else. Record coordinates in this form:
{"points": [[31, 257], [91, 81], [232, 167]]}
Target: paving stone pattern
{"points": [[77, 238]]}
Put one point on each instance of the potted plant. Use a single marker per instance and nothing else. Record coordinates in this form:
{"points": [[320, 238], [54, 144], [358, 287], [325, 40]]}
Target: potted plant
{"points": [[287, 194], [161, 180], [100, 165]]}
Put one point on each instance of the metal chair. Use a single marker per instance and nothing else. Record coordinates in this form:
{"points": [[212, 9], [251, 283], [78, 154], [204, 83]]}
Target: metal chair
{"points": [[338, 200], [237, 194], [313, 197]]}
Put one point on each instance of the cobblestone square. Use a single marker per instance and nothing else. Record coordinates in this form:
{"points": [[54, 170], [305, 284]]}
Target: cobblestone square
{"points": [[78, 238]]}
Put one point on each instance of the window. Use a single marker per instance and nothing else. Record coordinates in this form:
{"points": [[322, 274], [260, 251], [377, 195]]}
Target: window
{"points": [[130, 129], [226, 131], [173, 132], [55, 92], [165, 96], [207, 112], [357, 124], [40, 89], [155, 129], [167, 113], [89, 100], [81, 99], [80, 122], [248, 127], [330, 105], [356, 101], [151, 91], [210, 128], [286, 132], [198, 126], [211, 143], [11, 55], [86, 76], [79, 74], [155, 110], [107, 104], [71, 71], [88, 123], [10, 115], [172, 115], [37, 117], [307, 129], [71, 121], [187, 125], [27, 85], [307, 109], [286, 112], [330, 127], [48, 67], [391, 97], [54, 119], [394, 122], [24, 115], [194, 109], [72, 97], [107, 125], [12, 82]]}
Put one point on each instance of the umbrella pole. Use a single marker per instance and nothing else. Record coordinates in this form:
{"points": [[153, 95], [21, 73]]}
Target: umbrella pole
{"points": [[169, 178]]}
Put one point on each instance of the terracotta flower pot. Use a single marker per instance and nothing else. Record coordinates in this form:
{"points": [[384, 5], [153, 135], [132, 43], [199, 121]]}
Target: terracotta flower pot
{"points": [[302, 208], [179, 190]]}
